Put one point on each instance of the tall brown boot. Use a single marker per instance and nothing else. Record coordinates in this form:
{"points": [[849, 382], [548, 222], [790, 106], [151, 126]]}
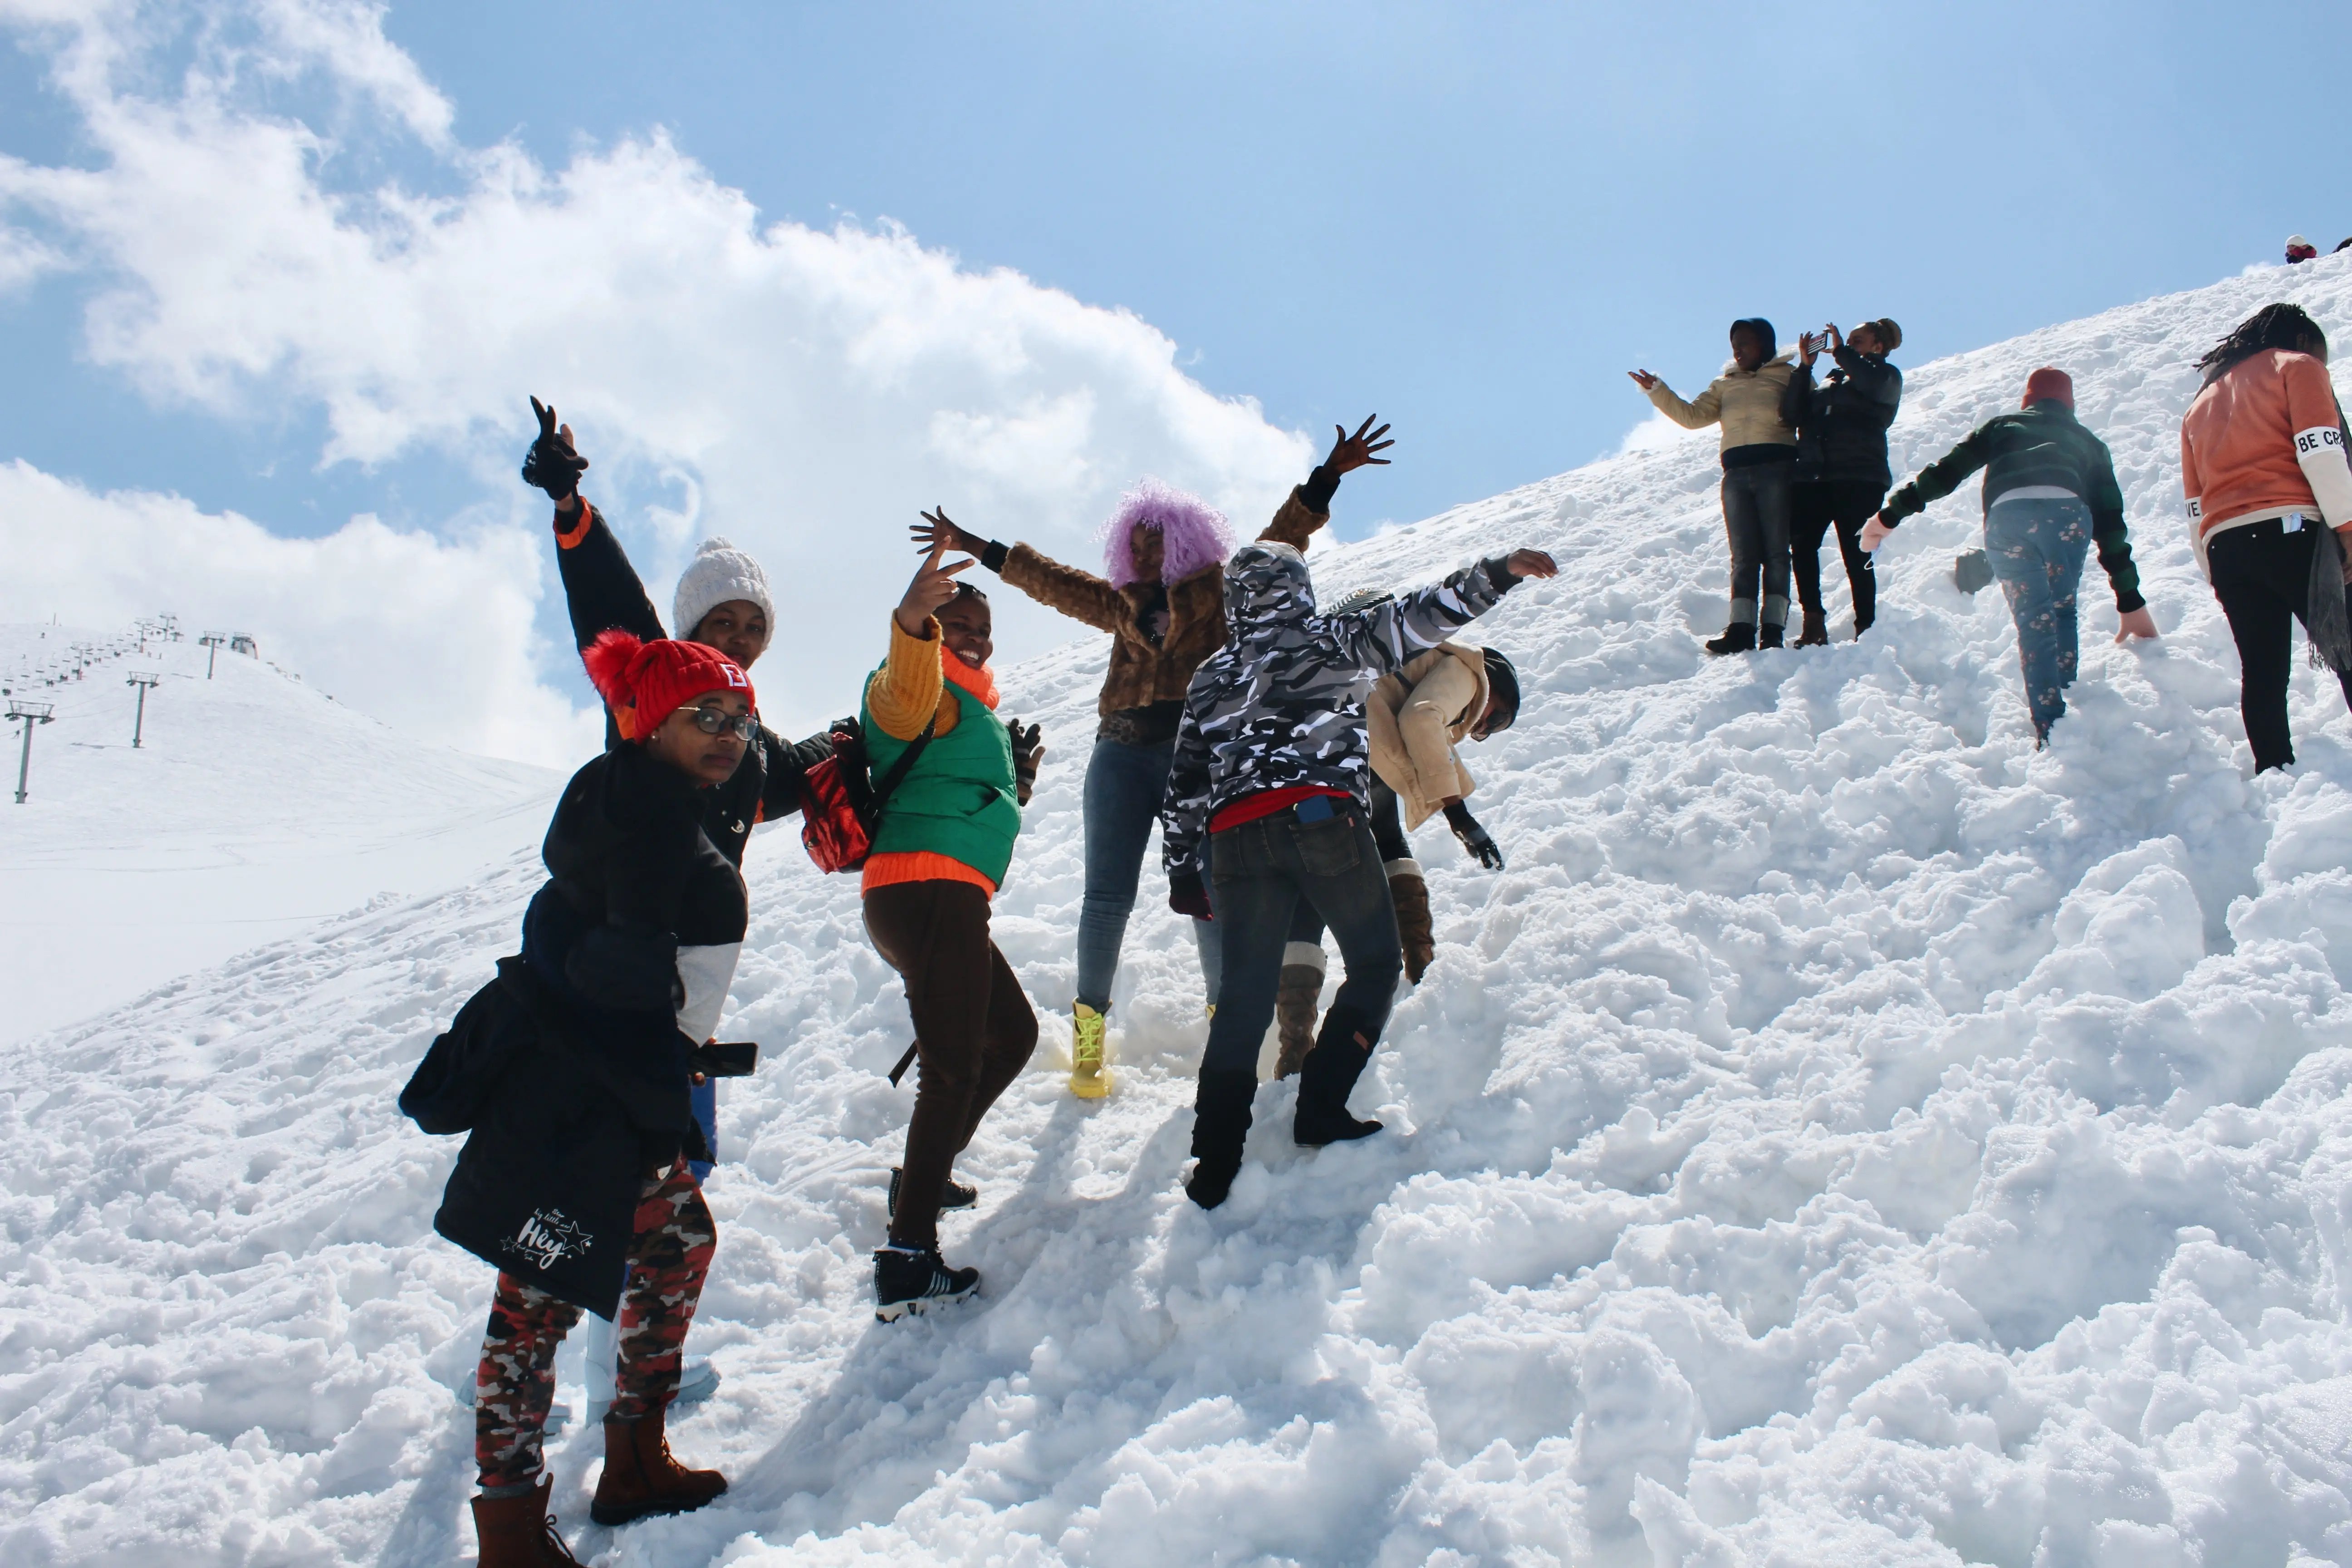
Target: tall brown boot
{"points": [[641, 1476], [1817, 630], [1410, 893], [1295, 1000], [515, 1531]]}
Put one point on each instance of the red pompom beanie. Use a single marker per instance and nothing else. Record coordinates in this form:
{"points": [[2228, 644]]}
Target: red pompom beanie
{"points": [[645, 682], [2048, 382]]}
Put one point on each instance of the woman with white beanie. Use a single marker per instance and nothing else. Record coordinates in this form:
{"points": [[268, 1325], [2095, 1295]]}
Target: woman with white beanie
{"points": [[723, 602]]}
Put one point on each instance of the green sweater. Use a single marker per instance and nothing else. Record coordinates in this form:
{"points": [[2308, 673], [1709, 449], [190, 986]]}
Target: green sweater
{"points": [[2043, 444], [959, 799]]}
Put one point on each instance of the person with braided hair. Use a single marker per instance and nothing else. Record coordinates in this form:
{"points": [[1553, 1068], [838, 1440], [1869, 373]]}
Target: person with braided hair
{"points": [[2263, 466]]}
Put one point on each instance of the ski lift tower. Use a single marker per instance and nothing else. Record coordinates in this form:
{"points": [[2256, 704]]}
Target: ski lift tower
{"points": [[212, 642], [31, 713], [145, 680]]}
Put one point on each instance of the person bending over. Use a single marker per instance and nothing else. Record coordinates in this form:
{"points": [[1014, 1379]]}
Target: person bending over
{"points": [[2269, 504], [1161, 599], [942, 845], [1842, 473], [1758, 450], [2049, 492], [576, 1180], [1415, 719], [1270, 769]]}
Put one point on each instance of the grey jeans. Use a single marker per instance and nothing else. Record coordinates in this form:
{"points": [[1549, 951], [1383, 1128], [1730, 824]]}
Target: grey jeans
{"points": [[1755, 518]]}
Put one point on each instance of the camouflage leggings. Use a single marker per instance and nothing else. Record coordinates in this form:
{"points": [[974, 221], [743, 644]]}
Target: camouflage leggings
{"points": [[668, 1258]]}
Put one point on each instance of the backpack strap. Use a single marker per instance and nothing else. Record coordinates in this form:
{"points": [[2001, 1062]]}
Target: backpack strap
{"points": [[899, 769]]}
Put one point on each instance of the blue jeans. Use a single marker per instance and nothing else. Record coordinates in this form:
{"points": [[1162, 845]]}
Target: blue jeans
{"points": [[2036, 549], [1125, 788], [1260, 872], [1755, 504]]}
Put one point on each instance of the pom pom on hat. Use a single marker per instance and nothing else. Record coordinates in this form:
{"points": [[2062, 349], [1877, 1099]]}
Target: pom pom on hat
{"points": [[645, 682], [2047, 383], [718, 573]]}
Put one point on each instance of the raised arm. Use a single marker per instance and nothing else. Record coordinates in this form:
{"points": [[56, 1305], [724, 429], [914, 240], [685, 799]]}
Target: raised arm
{"points": [[1697, 415], [1387, 634], [1308, 506], [600, 589], [1081, 596]]}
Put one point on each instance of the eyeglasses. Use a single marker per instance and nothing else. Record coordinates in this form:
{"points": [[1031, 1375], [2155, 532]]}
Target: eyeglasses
{"points": [[717, 720]]}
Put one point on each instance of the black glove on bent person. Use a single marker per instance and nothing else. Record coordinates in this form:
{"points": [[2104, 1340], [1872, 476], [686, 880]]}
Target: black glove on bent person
{"points": [[1187, 896], [1475, 839], [552, 465], [1028, 750]]}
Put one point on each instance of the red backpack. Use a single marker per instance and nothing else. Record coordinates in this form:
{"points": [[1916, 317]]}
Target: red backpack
{"points": [[841, 803]]}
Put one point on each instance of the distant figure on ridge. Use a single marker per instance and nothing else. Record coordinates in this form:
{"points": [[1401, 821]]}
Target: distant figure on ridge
{"points": [[1163, 603], [1842, 473], [2263, 461], [2301, 249], [2049, 491], [1268, 800]]}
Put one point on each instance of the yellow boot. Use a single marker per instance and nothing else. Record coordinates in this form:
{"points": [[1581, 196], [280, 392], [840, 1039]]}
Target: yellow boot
{"points": [[1089, 1074]]}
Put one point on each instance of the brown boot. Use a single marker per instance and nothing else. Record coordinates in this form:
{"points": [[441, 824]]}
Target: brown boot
{"points": [[515, 1531], [641, 1476], [1817, 631], [1410, 893], [1294, 1001]]}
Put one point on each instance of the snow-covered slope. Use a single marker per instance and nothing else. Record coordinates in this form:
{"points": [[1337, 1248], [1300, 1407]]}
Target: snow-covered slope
{"points": [[253, 808], [1843, 1134]]}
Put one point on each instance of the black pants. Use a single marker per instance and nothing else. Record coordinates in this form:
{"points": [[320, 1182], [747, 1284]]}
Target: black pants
{"points": [[1260, 872], [1813, 508], [2262, 577]]}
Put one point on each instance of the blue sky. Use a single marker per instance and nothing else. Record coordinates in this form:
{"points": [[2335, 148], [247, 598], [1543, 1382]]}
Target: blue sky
{"points": [[1470, 219]]}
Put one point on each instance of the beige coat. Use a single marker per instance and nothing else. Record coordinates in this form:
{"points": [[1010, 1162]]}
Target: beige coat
{"points": [[1747, 402], [1416, 717]]}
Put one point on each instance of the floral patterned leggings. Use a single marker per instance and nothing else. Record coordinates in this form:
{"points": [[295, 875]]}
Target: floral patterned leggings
{"points": [[2036, 548], [668, 1259]]}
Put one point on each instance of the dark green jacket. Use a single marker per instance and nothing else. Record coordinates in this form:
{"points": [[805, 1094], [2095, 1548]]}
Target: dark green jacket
{"points": [[2043, 444]]}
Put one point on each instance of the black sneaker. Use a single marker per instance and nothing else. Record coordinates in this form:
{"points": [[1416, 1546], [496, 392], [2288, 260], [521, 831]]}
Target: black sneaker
{"points": [[1740, 636], [954, 1195], [908, 1282]]}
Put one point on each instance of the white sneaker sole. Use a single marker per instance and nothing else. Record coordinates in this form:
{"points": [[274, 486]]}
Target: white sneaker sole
{"points": [[892, 1311]]}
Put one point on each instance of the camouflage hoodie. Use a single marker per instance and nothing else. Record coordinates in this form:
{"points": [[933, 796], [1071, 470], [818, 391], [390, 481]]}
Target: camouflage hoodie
{"points": [[1281, 705]]}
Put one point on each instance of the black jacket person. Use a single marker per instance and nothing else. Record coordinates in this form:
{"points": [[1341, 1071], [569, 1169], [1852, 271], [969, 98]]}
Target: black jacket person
{"points": [[1842, 472]]}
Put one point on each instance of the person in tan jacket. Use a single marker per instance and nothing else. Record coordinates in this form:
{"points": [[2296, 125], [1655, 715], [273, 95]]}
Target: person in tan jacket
{"points": [[1415, 719], [1759, 454], [1162, 600]]}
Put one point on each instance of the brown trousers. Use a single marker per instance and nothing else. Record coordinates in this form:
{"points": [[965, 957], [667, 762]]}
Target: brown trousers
{"points": [[973, 1030]]}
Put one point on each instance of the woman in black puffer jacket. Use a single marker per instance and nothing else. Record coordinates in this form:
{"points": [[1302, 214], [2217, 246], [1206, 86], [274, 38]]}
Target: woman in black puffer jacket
{"points": [[1841, 469]]}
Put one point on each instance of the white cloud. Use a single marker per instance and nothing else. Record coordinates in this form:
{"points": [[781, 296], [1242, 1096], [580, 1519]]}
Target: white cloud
{"points": [[803, 391], [1657, 433], [433, 636]]}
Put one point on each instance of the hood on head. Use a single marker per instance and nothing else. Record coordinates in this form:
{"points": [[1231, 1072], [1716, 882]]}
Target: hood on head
{"points": [[1266, 583]]}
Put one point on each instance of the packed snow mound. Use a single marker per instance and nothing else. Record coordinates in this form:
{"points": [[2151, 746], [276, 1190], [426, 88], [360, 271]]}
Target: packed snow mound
{"points": [[253, 808], [1843, 1134]]}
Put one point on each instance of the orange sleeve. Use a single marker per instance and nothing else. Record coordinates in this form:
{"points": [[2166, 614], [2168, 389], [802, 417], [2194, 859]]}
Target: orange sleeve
{"points": [[570, 538], [2192, 484], [2310, 394]]}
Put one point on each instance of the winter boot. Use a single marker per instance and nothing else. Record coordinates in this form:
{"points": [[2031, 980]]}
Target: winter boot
{"points": [[953, 1195], [1740, 636], [1817, 630], [908, 1282], [641, 1475], [1295, 999], [1768, 636], [1409, 892], [1327, 1078], [1221, 1124], [1089, 1074], [515, 1531]]}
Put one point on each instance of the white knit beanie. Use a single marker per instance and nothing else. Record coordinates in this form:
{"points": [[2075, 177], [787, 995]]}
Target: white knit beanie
{"points": [[718, 573]]}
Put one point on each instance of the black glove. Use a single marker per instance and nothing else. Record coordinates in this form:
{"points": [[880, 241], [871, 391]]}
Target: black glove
{"points": [[1474, 837], [1187, 896], [552, 465], [1028, 750]]}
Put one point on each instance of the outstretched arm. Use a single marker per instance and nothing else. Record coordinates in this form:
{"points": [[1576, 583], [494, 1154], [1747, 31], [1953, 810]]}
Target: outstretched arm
{"points": [[1392, 631], [1937, 481], [1081, 596]]}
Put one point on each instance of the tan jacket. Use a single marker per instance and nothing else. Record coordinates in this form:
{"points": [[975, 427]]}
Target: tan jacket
{"points": [[1416, 717], [1142, 672], [1746, 403]]}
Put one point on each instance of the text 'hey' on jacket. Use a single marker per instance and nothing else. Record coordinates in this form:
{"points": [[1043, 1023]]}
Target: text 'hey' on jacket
{"points": [[603, 592], [960, 803], [1746, 402], [2264, 438], [2043, 445], [1281, 704], [1841, 424], [1146, 668], [1414, 720]]}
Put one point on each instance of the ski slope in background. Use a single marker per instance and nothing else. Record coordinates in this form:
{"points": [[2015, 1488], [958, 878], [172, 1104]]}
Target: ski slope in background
{"points": [[1843, 1134], [254, 808]]}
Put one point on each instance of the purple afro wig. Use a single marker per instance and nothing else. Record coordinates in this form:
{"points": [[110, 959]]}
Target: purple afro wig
{"points": [[1193, 534]]}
